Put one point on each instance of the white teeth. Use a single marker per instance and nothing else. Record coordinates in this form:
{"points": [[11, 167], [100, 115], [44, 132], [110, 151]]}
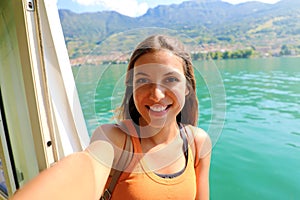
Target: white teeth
{"points": [[158, 108]]}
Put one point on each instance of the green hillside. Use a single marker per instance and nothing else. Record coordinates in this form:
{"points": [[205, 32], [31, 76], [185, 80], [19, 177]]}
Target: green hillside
{"points": [[207, 26]]}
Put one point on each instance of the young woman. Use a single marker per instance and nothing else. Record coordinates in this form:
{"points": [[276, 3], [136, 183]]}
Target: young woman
{"points": [[168, 156], [160, 109]]}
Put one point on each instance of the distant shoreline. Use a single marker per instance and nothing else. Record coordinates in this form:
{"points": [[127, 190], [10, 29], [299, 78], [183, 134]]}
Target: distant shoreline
{"points": [[100, 60]]}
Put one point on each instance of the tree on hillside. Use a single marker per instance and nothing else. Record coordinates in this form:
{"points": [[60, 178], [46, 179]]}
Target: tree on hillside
{"points": [[285, 50]]}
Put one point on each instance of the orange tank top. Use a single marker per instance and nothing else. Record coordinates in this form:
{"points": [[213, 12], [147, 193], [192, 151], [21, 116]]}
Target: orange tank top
{"points": [[147, 185]]}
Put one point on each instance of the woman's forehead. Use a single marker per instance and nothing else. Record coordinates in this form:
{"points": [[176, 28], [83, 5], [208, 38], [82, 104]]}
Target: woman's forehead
{"points": [[154, 69], [160, 59]]}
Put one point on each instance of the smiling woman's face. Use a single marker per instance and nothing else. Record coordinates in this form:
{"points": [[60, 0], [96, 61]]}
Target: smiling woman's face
{"points": [[159, 87]]}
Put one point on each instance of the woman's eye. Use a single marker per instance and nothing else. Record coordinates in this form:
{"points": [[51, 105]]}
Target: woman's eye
{"points": [[171, 80], [141, 81]]}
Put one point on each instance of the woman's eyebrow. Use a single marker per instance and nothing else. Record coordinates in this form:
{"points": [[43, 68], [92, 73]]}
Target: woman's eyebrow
{"points": [[141, 74], [171, 73]]}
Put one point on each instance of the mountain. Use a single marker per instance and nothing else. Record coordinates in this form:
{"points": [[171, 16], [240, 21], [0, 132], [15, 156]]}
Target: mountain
{"points": [[213, 24]]}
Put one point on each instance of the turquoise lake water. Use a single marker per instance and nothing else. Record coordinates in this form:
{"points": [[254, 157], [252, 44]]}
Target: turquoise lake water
{"points": [[251, 109]]}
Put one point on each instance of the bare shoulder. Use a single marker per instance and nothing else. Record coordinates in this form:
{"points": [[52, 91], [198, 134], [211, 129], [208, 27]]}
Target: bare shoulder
{"points": [[113, 134], [110, 133], [198, 133], [202, 141]]}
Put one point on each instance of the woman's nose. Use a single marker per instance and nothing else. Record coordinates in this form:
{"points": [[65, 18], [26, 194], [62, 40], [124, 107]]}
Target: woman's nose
{"points": [[157, 92]]}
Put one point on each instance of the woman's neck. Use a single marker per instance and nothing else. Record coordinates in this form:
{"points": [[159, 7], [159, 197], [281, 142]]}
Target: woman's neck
{"points": [[154, 137]]}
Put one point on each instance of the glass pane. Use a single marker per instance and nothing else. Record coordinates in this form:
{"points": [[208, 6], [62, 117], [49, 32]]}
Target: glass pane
{"points": [[3, 186]]}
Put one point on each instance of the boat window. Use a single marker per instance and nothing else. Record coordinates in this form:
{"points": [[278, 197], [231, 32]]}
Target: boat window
{"points": [[7, 169], [3, 186]]}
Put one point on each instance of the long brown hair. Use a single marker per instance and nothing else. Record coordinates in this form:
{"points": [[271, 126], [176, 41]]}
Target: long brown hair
{"points": [[189, 112]]}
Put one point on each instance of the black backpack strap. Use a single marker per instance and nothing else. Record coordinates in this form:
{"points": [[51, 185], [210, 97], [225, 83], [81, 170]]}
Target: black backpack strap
{"points": [[119, 169]]}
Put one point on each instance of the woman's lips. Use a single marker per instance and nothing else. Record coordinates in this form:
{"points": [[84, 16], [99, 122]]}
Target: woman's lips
{"points": [[158, 110]]}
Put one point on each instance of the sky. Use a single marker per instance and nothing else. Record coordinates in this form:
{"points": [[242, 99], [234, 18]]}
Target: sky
{"points": [[132, 8]]}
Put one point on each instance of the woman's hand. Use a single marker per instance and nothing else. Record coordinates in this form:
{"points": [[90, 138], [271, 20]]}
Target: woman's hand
{"points": [[81, 175]]}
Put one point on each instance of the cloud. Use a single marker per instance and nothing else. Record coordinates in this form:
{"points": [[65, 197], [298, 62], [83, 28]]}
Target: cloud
{"points": [[130, 8], [242, 1]]}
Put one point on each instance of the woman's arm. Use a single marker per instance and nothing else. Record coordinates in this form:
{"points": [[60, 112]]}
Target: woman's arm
{"points": [[81, 175], [202, 177], [204, 147]]}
